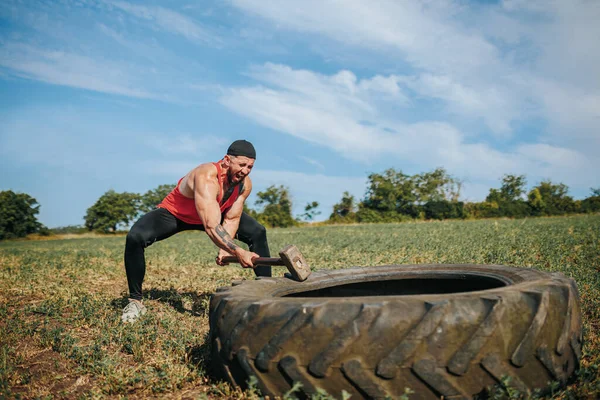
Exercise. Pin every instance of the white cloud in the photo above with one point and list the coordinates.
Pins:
(319, 109)
(502, 63)
(448, 67)
(68, 69)
(491, 103)
(336, 111)
(575, 110)
(451, 62)
(552, 155)
(528, 5)
(558, 164)
(168, 20)
(313, 162)
(280, 112)
(420, 31)
(313, 107)
(341, 89)
(147, 47)
(517, 64)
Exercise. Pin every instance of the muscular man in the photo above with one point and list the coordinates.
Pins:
(209, 198)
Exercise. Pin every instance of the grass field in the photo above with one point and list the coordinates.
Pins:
(61, 300)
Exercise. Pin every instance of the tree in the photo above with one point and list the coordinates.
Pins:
(392, 192)
(536, 202)
(592, 203)
(277, 207)
(437, 185)
(553, 197)
(395, 195)
(494, 196)
(509, 198)
(151, 198)
(345, 210)
(18, 215)
(512, 189)
(111, 210)
(310, 211)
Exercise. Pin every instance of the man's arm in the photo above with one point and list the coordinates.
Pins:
(231, 220)
(206, 189)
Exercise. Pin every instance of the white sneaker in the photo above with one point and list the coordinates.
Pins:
(134, 310)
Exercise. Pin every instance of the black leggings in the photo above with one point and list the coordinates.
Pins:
(160, 224)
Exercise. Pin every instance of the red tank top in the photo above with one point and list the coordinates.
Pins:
(184, 208)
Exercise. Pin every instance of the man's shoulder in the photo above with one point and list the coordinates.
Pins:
(204, 172)
(207, 170)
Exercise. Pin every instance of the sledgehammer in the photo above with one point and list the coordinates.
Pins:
(290, 257)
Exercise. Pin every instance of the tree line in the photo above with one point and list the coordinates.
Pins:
(391, 196)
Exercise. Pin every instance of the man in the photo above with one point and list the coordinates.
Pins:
(209, 198)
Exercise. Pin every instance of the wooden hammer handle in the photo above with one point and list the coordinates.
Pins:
(256, 261)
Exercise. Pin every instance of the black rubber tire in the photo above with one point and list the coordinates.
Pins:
(440, 330)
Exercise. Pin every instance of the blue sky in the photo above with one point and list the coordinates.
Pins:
(123, 95)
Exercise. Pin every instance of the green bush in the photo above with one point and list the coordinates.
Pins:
(444, 209)
(590, 205)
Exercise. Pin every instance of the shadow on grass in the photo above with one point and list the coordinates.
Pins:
(201, 357)
(175, 299)
(200, 354)
(200, 301)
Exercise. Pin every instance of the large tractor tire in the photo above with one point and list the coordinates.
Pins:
(440, 330)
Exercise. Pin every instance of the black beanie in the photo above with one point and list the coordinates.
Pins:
(242, 148)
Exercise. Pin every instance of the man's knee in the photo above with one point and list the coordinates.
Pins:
(135, 238)
(259, 233)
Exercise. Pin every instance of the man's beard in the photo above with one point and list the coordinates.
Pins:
(230, 178)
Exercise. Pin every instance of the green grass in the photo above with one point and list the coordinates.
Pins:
(61, 300)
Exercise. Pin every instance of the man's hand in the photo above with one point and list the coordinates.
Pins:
(244, 257)
(219, 260)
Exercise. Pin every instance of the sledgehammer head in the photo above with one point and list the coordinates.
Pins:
(295, 263)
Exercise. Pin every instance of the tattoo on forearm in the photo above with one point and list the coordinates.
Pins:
(226, 237)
